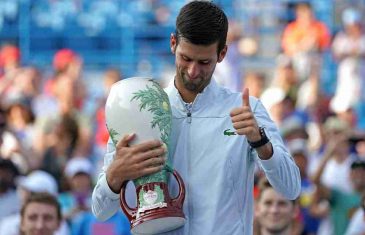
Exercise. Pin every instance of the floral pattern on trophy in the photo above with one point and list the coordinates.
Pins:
(155, 100)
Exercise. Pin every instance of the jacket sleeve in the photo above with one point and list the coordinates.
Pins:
(105, 203)
(281, 170)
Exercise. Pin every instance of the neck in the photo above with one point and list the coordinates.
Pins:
(186, 95)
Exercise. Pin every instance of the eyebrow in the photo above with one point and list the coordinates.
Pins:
(200, 60)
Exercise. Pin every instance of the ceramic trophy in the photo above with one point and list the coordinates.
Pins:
(139, 105)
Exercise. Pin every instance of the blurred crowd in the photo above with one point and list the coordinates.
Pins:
(52, 141)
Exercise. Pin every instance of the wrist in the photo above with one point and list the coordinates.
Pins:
(114, 184)
(259, 141)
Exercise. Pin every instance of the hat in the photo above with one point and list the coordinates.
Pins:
(298, 146)
(358, 164)
(78, 165)
(293, 124)
(39, 181)
(351, 16)
(63, 58)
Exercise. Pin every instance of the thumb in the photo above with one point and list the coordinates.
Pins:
(124, 142)
(245, 97)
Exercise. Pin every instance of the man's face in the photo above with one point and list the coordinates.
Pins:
(39, 219)
(195, 64)
(274, 212)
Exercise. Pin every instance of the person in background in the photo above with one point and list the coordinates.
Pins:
(35, 182)
(304, 38)
(78, 173)
(274, 214)
(40, 214)
(348, 48)
(299, 150)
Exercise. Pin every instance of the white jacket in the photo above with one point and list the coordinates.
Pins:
(218, 169)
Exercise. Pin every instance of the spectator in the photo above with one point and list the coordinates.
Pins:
(349, 49)
(274, 214)
(304, 38)
(40, 214)
(78, 173)
(299, 150)
(35, 182)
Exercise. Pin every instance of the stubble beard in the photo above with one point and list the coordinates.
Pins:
(195, 86)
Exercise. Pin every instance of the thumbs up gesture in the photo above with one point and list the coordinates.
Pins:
(244, 121)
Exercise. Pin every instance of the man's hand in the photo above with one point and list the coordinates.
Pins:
(245, 124)
(131, 162)
(244, 121)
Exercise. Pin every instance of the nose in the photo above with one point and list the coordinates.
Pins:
(274, 208)
(39, 223)
(193, 70)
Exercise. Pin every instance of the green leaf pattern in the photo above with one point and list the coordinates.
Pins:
(156, 101)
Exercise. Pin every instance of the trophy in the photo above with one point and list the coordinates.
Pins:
(139, 105)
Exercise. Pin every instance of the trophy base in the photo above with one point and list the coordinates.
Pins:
(157, 226)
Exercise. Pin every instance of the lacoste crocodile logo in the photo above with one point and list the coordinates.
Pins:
(228, 132)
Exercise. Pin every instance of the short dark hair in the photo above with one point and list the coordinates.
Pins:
(44, 198)
(202, 23)
(264, 184)
(358, 164)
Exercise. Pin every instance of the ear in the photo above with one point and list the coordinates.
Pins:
(222, 54)
(173, 42)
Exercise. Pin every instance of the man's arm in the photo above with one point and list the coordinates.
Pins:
(278, 165)
(280, 169)
(105, 202)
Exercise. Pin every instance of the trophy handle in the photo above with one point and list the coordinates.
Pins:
(129, 212)
(179, 200)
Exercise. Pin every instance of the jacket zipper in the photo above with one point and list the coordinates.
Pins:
(189, 108)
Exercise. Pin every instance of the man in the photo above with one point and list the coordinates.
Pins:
(215, 140)
(40, 214)
(35, 182)
(304, 38)
(275, 214)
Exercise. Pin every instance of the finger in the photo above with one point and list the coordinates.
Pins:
(244, 131)
(145, 146)
(151, 170)
(242, 117)
(243, 124)
(151, 154)
(124, 142)
(246, 97)
(152, 162)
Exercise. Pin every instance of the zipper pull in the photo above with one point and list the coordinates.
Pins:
(189, 117)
